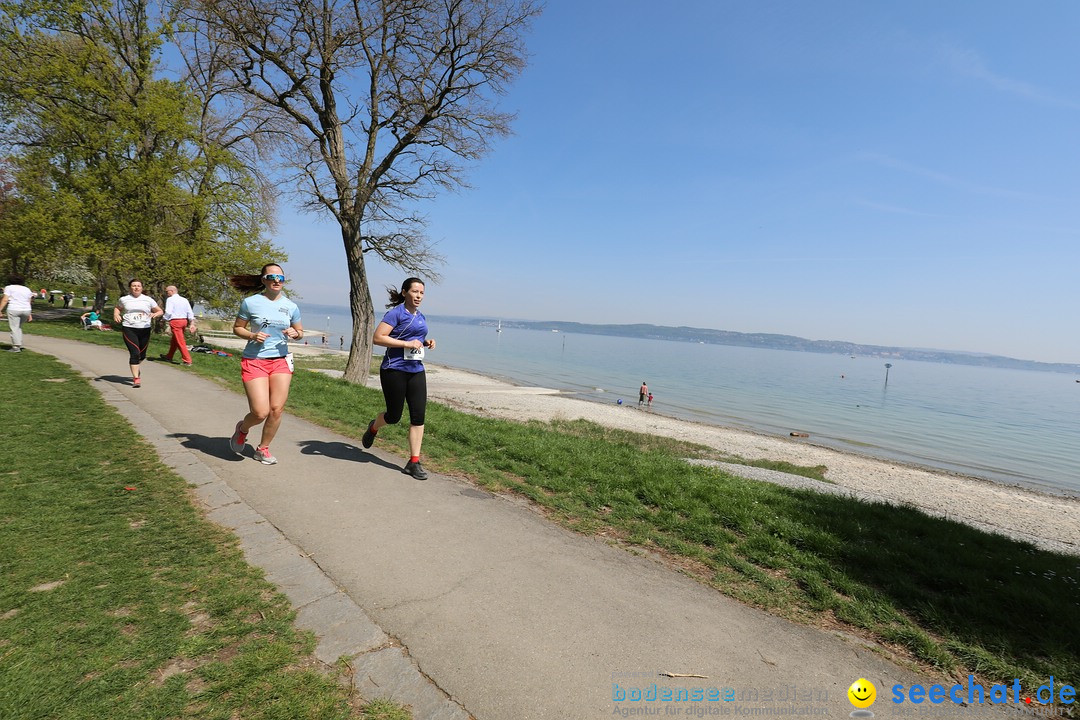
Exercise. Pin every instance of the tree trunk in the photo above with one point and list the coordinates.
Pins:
(101, 283)
(99, 296)
(358, 368)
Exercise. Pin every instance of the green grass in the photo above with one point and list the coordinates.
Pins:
(947, 596)
(210, 323)
(118, 600)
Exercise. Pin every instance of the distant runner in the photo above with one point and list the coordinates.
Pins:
(135, 312)
(18, 299)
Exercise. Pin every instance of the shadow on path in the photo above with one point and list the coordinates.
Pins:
(214, 446)
(342, 451)
(114, 379)
(42, 311)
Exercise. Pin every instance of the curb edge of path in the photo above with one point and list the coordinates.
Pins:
(381, 667)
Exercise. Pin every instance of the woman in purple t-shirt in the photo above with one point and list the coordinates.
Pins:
(403, 332)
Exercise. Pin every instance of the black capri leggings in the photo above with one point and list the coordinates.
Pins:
(398, 387)
(137, 340)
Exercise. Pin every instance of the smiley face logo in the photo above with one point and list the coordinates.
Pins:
(862, 693)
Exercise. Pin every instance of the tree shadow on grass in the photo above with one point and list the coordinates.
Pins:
(342, 451)
(1003, 599)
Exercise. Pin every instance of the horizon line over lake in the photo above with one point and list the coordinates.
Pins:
(712, 336)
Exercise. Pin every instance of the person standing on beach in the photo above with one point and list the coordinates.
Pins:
(18, 299)
(643, 392)
(180, 318)
(267, 321)
(135, 312)
(650, 401)
(403, 332)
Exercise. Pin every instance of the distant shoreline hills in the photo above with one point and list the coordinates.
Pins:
(770, 341)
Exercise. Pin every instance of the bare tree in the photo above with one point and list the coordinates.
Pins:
(235, 135)
(387, 101)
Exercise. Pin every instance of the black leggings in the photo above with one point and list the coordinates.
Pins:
(137, 340)
(398, 387)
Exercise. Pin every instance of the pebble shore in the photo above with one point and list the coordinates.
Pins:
(1051, 522)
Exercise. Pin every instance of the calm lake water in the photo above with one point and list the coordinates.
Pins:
(1011, 426)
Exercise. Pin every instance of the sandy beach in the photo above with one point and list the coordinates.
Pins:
(1049, 521)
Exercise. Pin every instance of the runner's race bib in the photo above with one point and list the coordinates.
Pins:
(414, 353)
(289, 362)
(130, 318)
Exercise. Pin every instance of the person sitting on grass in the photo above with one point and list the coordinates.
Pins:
(92, 320)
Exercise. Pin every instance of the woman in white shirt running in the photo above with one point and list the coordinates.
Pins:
(135, 312)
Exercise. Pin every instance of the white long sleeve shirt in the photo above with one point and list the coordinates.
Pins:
(177, 307)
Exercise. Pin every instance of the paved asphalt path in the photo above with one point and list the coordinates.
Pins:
(462, 603)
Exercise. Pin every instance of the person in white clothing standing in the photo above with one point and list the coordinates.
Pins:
(17, 299)
(180, 318)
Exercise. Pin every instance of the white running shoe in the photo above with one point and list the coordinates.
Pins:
(263, 455)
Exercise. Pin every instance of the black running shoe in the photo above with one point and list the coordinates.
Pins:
(415, 469)
(369, 436)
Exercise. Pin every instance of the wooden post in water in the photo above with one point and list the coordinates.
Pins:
(887, 366)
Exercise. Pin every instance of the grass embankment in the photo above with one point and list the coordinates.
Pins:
(948, 596)
(118, 600)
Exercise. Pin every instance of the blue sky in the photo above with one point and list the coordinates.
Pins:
(887, 173)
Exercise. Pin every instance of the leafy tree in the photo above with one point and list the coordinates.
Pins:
(110, 156)
(379, 103)
(12, 255)
(231, 197)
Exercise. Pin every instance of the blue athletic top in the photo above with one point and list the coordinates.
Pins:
(405, 326)
(271, 317)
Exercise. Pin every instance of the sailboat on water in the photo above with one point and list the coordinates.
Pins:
(498, 328)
